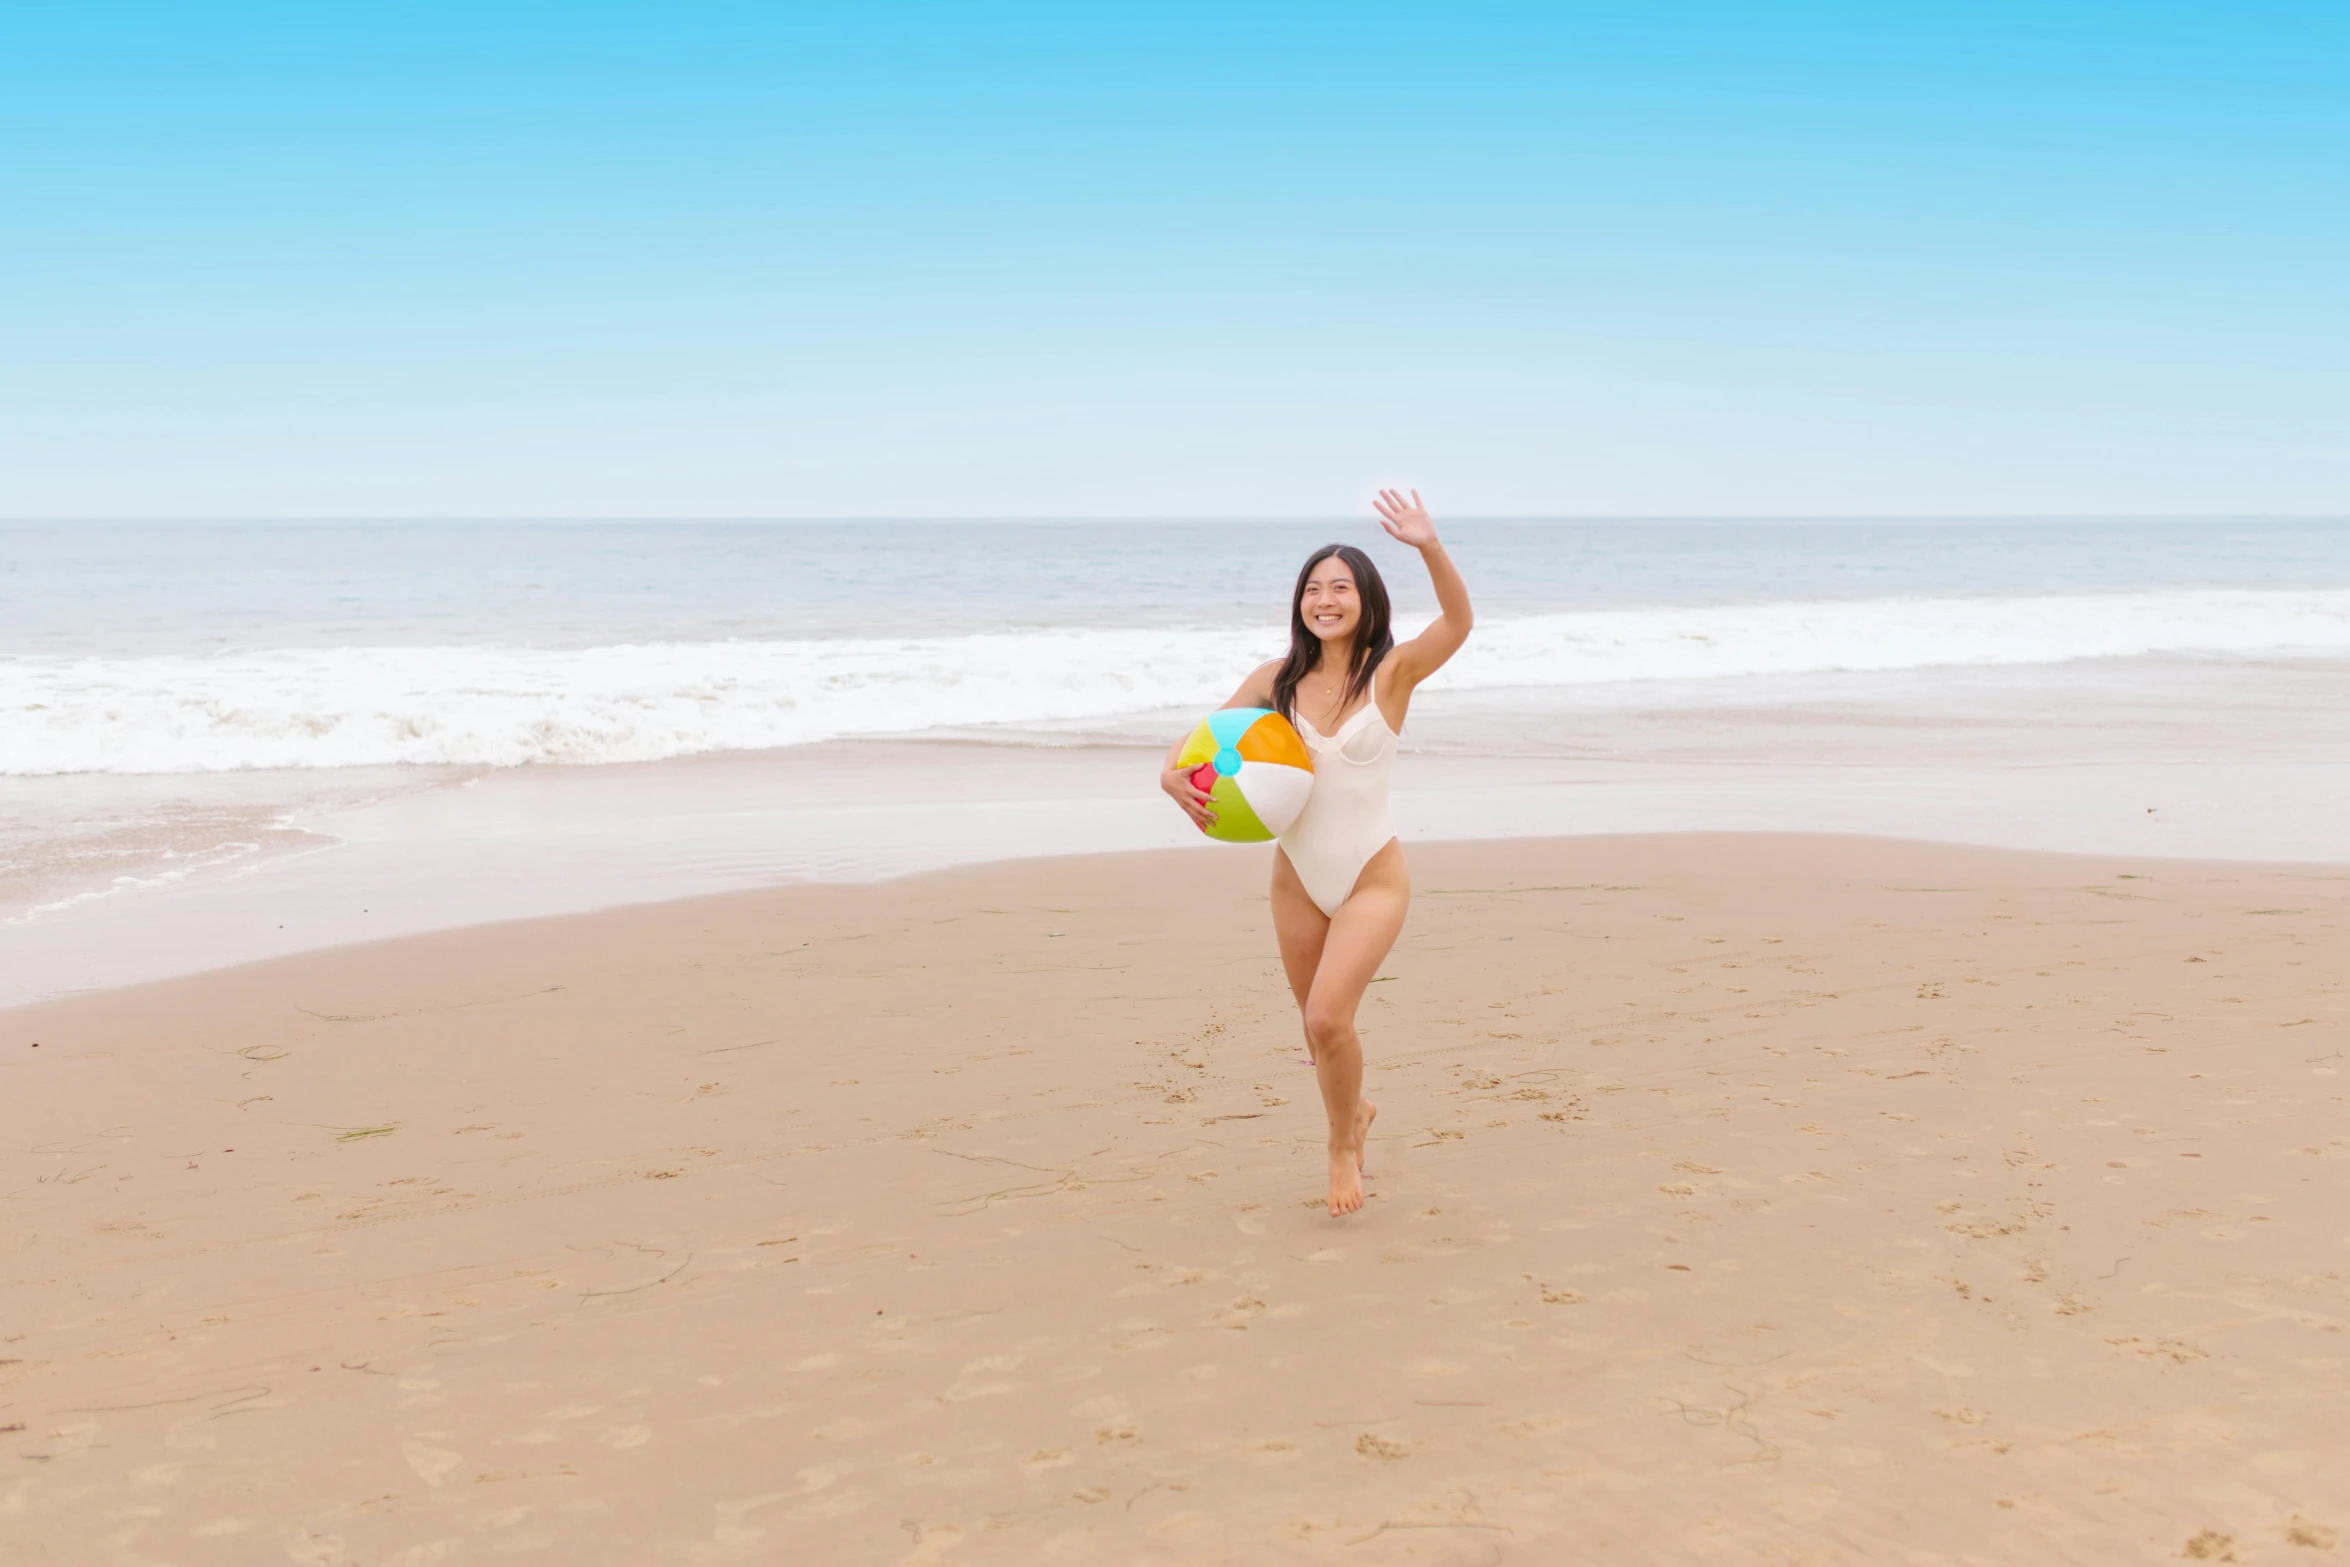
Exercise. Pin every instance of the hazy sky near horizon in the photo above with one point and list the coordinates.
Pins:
(1142, 259)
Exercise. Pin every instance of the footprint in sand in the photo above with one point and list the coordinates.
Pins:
(432, 1464)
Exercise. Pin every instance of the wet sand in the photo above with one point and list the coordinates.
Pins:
(1754, 1198)
(111, 880)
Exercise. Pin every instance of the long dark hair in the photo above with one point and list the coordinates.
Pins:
(1374, 637)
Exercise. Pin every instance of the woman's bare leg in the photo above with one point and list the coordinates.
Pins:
(1299, 926)
(1355, 941)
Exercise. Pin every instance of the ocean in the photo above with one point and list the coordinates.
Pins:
(209, 648)
(186, 704)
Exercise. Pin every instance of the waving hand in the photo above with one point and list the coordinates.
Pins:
(1406, 522)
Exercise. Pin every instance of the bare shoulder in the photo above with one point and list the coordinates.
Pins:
(1257, 689)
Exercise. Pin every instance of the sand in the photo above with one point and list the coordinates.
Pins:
(1738, 1198)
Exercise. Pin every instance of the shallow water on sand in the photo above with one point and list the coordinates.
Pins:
(194, 718)
(2206, 761)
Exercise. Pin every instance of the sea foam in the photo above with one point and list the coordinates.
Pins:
(504, 706)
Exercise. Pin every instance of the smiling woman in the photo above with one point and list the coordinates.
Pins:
(1340, 885)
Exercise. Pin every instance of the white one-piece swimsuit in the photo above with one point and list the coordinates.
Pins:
(1346, 819)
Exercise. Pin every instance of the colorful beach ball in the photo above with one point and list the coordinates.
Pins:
(1255, 770)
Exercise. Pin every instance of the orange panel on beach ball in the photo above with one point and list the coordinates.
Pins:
(1275, 742)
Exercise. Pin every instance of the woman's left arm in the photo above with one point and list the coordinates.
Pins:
(1408, 522)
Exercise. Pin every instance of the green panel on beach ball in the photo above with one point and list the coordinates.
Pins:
(1236, 821)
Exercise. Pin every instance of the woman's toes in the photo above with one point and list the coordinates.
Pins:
(1346, 1185)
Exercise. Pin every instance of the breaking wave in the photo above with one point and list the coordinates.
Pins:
(504, 706)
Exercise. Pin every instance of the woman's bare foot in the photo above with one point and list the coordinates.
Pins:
(1364, 1116)
(1346, 1181)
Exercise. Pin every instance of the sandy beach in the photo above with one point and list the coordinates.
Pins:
(1740, 1198)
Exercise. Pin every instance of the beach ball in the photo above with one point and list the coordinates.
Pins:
(1255, 770)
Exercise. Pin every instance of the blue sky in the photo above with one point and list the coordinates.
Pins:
(895, 259)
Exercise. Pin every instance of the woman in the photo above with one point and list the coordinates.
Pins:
(1340, 885)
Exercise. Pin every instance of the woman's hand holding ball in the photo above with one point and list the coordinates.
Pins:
(1177, 782)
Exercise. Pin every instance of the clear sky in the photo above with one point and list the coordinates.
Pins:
(704, 259)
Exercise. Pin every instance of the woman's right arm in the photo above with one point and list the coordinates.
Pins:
(1255, 691)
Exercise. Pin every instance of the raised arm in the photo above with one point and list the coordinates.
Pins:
(1407, 522)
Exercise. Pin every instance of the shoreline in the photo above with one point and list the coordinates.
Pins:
(975, 1217)
(506, 847)
(922, 879)
(2189, 759)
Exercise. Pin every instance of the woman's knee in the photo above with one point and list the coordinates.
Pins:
(1328, 1025)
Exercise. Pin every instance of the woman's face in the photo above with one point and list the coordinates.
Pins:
(1331, 606)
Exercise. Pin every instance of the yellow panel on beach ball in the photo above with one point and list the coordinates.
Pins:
(1255, 770)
